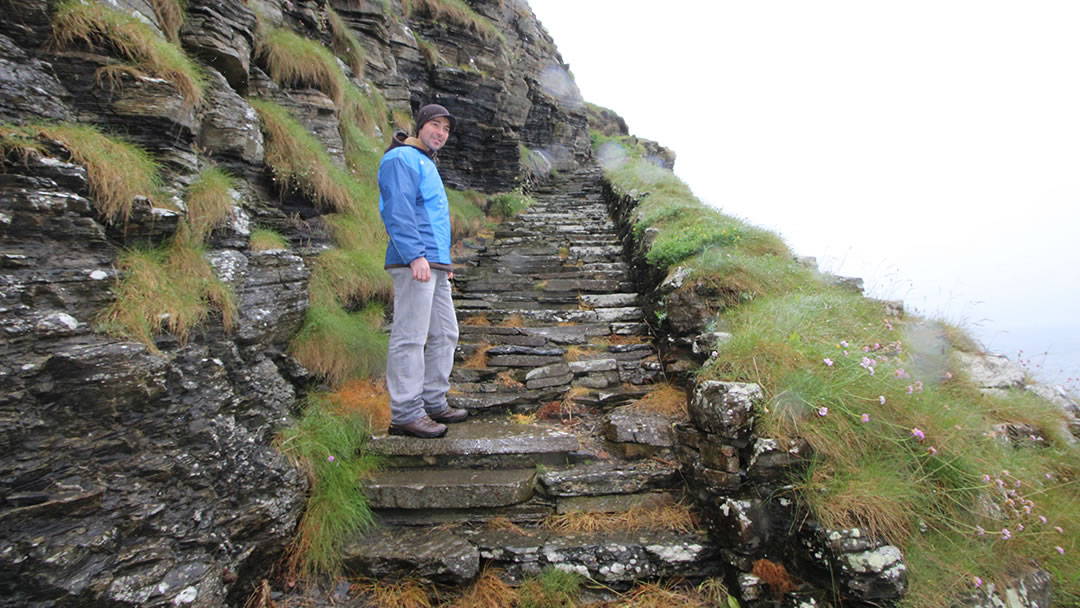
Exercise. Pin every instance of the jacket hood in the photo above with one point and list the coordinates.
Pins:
(403, 139)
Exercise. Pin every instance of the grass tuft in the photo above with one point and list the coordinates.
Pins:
(553, 588)
(328, 443)
(453, 11)
(117, 171)
(665, 399)
(170, 14)
(345, 43)
(299, 160)
(466, 213)
(339, 345)
(209, 201)
(487, 591)
(675, 517)
(95, 25)
(297, 62)
(170, 288)
(264, 239)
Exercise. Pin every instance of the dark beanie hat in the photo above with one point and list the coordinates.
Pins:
(430, 111)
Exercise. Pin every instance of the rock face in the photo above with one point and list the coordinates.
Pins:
(139, 476)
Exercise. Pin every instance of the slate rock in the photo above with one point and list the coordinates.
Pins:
(400, 553)
(725, 408)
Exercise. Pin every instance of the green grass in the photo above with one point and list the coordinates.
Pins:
(428, 50)
(170, 288)
(295, 61)
(95, 25)
(209, 201)
(339, 345)
(264, 239)
(328, 444)
(299, 160)
(553, 588)
(453, 11)
(346, 45)
(466, 212)
(910, 451)
(117, 170)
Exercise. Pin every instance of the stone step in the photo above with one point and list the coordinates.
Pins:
(449, 488)
(455, 556)
(619, 314)
(496, 443)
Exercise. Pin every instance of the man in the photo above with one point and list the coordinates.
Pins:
(416, 213)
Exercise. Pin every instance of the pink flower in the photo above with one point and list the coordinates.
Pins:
(979, 530)
(978, 582)
(986, 478)
(1019, 527)
(932, 450)
(828, 361)
(918, 434)
(1058, 528)
(844, 343)
(1042, 518)
(918, 385)
(865, 418)
(329, 459)
(1005, 534)
(823, 411)
(910, 389)
(1060, 550)
(881, 399)
(948, 375)
(1027, 509)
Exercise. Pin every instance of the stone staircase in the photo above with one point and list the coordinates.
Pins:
(553, 348)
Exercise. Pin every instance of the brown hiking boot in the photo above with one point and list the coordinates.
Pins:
(421, 427)
(450, 415)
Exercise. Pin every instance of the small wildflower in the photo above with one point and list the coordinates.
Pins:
(1005, 473)
(1027, 509)
(979, 531)
(715, 354)
(1005, 534)
(865, 418)
(881, 399)
(1020, 527)
(948, 375)
(1060, 550)
(844, 343)
(828, 362)
(1018, 483)
(918, 434)
(1058, 528)
(823, 411)
(1049, 476)
(1000, 484)
(986, 478)
(932, 450)
(910, 389)
(329, 459)
(978, 582)
(1042, 518)
(918, 385)
(900, 373)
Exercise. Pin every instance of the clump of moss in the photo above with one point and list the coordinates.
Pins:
(96, 25)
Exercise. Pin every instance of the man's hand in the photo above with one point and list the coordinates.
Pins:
(420, 270)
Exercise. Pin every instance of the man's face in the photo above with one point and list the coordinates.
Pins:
(435, 132)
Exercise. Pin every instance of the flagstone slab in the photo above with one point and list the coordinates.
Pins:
(447, 489)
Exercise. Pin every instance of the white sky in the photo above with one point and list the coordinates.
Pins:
(930, 147)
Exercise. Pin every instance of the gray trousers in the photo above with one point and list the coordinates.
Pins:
(422, 342)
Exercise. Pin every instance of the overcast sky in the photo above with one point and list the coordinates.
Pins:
(929, 147)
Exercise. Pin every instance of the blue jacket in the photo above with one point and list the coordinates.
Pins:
(414, 208)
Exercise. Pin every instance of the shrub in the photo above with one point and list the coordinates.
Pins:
(95, 24)
(508, 204)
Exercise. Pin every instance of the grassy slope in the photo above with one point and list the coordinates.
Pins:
(905, 446)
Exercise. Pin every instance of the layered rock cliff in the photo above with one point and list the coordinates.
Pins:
(137, 474)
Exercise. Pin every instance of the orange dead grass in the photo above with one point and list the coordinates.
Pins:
(674, 516)
(666, 399)
(404, 594)
(476, 321)
(775, 576)
(489, 591)
(514, 320)
(477, 360)
(367, 396)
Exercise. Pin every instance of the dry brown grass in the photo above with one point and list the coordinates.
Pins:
(665, 399)
(506, 380)
(477, 360)
(170, 15)
(403, 594)
(503, 523)
(672, 594)
(775, 576)
(489, 591)
(514, 320)
(368, 396)
(476, 321)
(209, 203)
(297, 62)
(576, 352)
(675, 517)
